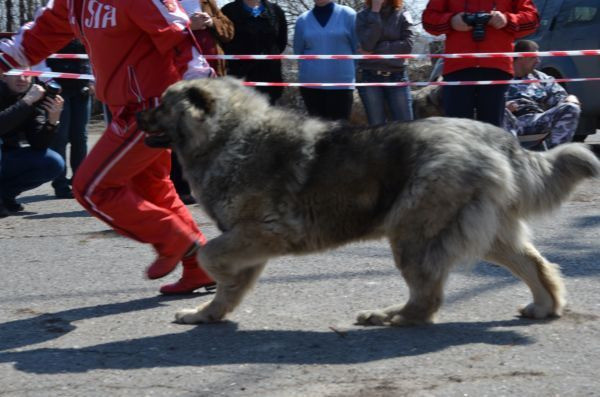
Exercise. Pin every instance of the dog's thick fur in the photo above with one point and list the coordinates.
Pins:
(442, 191)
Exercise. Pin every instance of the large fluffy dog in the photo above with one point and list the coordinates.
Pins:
(442, 191)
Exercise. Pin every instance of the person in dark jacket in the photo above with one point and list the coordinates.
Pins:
(260, 28)
(384, 27)
(75, 115)
(27, 115)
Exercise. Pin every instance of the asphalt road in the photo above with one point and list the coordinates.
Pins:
(79, 319)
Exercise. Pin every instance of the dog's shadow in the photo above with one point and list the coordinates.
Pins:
(223, 343)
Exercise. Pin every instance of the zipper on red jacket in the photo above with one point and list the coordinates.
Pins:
(76, 8)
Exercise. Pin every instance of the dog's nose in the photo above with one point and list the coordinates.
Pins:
(140, 119)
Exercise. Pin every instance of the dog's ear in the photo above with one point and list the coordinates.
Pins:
(201, 99)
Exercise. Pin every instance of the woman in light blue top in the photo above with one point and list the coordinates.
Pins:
(328, 28)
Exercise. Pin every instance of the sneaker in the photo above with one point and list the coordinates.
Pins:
(12, 205)
(63, 193)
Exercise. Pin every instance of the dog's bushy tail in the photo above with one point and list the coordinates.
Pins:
(549, 177)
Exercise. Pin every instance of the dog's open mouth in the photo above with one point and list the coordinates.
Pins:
(157, 140)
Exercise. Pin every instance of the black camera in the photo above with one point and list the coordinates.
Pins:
(477, 20)
(52, 88)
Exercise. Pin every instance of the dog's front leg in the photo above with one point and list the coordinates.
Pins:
(230, 291)
(234, 260)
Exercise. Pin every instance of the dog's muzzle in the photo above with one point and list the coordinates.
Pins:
(153, 139)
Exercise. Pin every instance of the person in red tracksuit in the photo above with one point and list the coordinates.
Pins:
(137, 48)
(467, 32)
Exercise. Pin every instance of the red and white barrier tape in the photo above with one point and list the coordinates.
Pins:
(49, 75)
(385, 56)
(420, 83)
(54, 75)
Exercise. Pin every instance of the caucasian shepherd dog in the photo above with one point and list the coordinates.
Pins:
(443, 191)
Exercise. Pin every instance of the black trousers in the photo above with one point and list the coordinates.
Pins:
(480, 102)
(328, 104)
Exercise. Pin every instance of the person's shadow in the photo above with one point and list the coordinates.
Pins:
(223, 343)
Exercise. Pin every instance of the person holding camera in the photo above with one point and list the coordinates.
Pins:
(473, 26)
(75, 116)
(28, 122)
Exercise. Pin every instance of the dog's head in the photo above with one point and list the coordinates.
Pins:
(184, 108)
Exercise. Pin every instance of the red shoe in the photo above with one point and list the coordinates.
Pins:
(164, 265)
(193, 277)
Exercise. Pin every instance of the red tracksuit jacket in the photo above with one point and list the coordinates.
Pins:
(522, 19)
(137, 48)
(121, 38)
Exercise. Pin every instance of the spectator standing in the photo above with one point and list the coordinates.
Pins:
(75, 115)
(534, 108)
(27, 115)
(329, 28)
(211, 29)
(473, 26)
(384, 27)
(137, 49)
(260, 29)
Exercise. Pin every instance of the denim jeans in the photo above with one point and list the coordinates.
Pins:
(72, 129)
(26, 168)
(375, 99)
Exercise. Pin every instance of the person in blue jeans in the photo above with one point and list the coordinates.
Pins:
(384, 27)
(75, 115)
(28, 121)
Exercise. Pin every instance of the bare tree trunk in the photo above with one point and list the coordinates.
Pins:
(14, 13)
(3, 16)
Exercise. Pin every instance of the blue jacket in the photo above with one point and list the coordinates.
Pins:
(337, 37)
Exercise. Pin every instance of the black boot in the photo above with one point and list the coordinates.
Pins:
(11, 204)
(3, 211)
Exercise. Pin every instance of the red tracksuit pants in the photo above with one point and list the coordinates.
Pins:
(126, 184)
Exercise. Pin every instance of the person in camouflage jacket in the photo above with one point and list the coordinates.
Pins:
(534, 108)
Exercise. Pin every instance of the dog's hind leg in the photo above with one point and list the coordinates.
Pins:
(542, 277)
(426, 286)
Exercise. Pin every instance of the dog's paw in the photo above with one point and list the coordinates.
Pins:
(372, 317)
(538, 311)
(187, 316)
(202, 314)
(399, 320)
